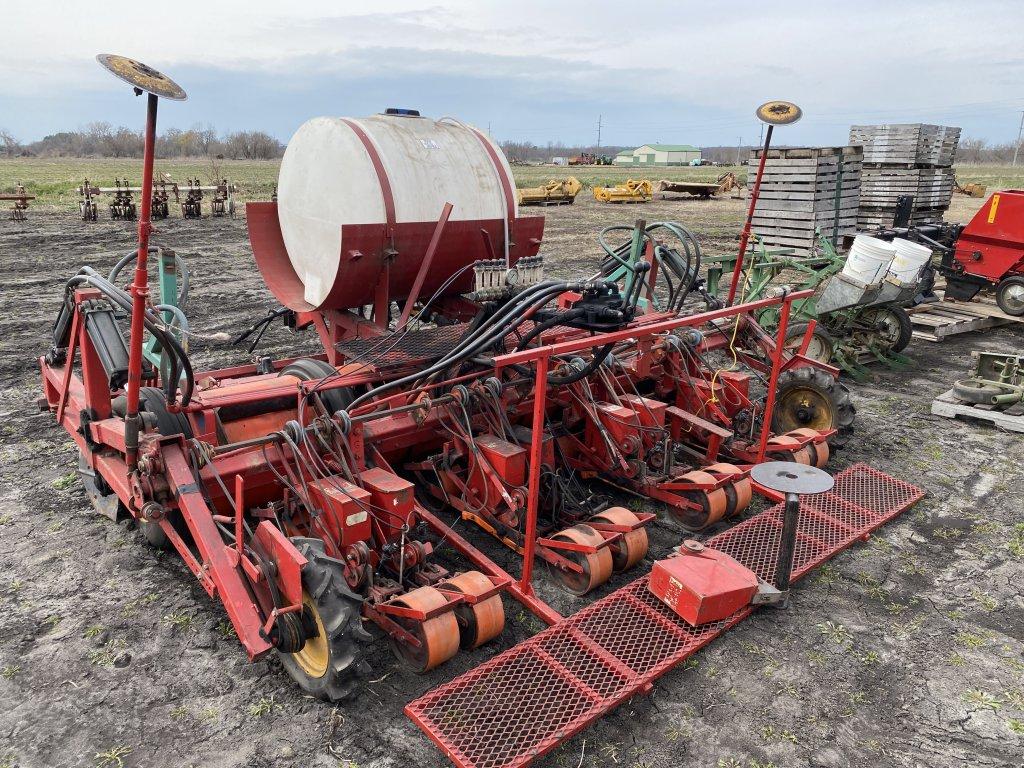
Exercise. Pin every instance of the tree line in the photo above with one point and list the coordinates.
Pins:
(969, 151)
(104, 140)
(528, 152)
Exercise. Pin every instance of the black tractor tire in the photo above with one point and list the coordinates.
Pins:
(311, 369)
(1008, 295)
(832, 406)
(338, 615)
(821, 346)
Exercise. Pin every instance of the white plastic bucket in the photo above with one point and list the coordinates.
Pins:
(869, 259)
(910, 257)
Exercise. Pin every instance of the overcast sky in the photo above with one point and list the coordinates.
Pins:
(656, 71)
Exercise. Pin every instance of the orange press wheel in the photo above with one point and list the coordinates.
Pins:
(439, 636)
(597, 566)
(631, 548)
(713, 503)
(483, 621)
(738, 493)
(819, 452)
(787, 448)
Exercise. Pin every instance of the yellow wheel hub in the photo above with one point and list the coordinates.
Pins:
(806, 408)
(314, 658)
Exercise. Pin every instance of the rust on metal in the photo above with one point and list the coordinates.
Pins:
(526, 701)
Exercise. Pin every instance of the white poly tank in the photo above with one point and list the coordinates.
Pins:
(869, 259)
(342, 171)
(910, 257)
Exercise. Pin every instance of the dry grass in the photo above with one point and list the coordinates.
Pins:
(54, 180)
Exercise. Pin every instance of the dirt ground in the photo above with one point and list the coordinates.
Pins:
(906, 651)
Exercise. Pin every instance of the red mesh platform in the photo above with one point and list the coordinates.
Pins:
(526, 701)
(398, 349)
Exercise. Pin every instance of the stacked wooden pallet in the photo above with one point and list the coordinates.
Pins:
(914, 143)
(806, 189)
(912, 159)
(937, 320)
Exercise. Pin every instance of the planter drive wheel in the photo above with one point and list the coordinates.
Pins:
(329, 665)
(810, 397)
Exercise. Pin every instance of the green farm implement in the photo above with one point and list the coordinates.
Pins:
(850, 322)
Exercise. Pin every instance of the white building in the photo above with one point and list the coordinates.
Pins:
(658, 154)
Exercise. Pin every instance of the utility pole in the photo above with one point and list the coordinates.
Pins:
(1020, 133)
(760, 141)
(489, 128)
(599, 134)
(738, 147)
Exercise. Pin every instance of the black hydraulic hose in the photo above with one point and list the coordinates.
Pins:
(516, 306)
(514, 321)
(670, 258)
(551, 322)
(259, 328)
(499, 324)
(481, 338)
(585, 371)
(179, 359)
(122, 300)
(179, 264)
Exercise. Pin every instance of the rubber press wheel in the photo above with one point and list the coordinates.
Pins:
(737, 493)
(438, 637)
(817, 453)
(597, 566)
(787, 448)
(329, 664)
(1010, 296)
(977, 391)
(713, 504)
(483, 621)
(631, 548)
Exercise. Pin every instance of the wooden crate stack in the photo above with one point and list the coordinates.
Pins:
(906, 159)
(799, 195)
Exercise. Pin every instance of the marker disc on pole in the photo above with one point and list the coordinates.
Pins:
(779, 112)
(140, 76)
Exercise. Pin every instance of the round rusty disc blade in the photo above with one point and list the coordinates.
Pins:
(779, 112)
(137, 74)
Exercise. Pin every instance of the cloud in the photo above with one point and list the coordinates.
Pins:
(655, 70)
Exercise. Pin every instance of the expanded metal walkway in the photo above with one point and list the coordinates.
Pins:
(526, 701)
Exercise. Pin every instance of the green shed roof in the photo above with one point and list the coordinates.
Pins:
(625, 152)
(673, 147)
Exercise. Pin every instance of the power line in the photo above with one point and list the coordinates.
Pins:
(1020, 132)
